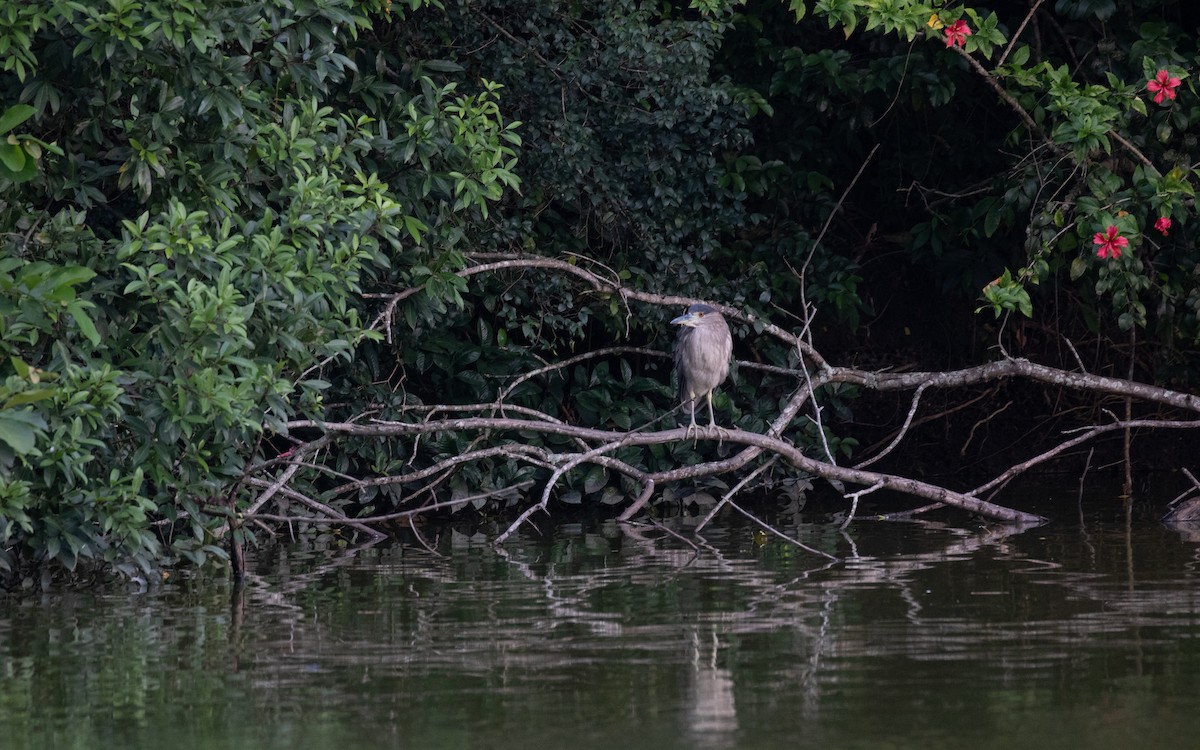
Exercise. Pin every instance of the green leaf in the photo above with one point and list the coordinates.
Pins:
(72, 275)
(1149, 68)
(20, 429)
(23, 369)
(14, 116)
(595, 480)
(991, 222)
(12, 157)
(1024, 304)
(415, 228)
(84, 322)
(443, 66)
(1079, 266)
(29, 397)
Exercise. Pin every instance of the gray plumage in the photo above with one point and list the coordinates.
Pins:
(701, 357)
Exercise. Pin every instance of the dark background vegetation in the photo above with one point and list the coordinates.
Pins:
(207, 206)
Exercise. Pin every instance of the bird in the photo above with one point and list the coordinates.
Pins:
(701, 357)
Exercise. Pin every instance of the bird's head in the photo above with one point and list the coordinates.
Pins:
(696, 315)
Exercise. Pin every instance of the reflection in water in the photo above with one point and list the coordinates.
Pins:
(713, 720)
(931, 636)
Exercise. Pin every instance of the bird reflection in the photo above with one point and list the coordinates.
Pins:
(713, 713)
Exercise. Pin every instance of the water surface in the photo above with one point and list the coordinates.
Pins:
(934, 636)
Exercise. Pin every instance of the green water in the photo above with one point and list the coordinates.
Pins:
(1064, 636)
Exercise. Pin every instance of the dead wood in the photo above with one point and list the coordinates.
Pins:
(504, 430)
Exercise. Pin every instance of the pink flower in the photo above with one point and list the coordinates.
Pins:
(1163, 85)
(957, 33)
(1163, 224)
(1110, 243)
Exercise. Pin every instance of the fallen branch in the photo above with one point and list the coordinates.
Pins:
(500, 430)
(613, 440)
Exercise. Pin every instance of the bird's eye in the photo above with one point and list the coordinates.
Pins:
(699, 315)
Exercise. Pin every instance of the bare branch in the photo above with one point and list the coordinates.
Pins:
(1091, 432)
(332, 516)
(519, 260)
(785, 450)
(854, 498)
(781, 535)
(541, 505)
(1017, 34)
(500, 427)
(576, 360)
(912, 410)
(1009, 368)
(733, 491)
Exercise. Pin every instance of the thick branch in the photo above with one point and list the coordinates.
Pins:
(1008, 368)
(594, 445)
(502, 261)
(788, 452)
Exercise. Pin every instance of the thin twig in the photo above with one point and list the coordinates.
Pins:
(825, 228)
(639, 502)
(975, 427)
(1017, 34)
(398, 515)
(855, 496)
(554, 477)
(1189, 475)
(900, 433)
(733, 491)
(1089, 434)
(333, 516)
(1008, 99)
(575, 360)
(674, 534)
(904, 515)
(781, 535)
(421, 539)
(1127, 442)
(1087, 465)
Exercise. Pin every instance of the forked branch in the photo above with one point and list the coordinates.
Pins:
(503, 430)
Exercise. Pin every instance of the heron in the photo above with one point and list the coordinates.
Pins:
(701, 357)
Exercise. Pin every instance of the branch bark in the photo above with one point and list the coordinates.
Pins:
(612, 440)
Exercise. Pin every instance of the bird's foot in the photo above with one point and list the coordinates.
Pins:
(722, 433)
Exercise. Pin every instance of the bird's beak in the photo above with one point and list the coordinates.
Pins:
(687, 319)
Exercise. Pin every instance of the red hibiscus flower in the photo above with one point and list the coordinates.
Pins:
(957, 33)
(1109, 243)
(1163, 224)
(1163, 85)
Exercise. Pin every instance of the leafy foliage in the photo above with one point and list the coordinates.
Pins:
(172, 286)
(207, 208)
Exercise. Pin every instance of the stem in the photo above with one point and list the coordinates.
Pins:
(1025, 22)
(1128, 443)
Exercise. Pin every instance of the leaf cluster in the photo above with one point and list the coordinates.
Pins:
(184, 277)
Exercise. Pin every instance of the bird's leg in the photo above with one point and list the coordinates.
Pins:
(722, 433)
(692, 427)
